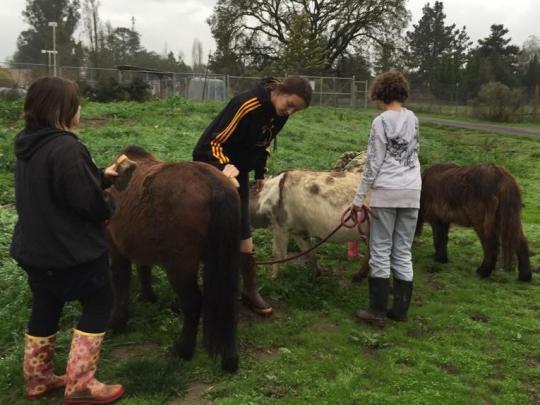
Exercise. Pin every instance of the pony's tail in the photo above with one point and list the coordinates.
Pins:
(220, 274)
(509, 219)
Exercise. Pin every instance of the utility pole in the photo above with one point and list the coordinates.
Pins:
(54, 24)
(48, 60)
(49, 52)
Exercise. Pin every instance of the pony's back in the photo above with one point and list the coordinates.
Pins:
(178, 215)
(485, 197)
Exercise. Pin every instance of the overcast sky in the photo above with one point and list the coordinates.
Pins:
(174, 24)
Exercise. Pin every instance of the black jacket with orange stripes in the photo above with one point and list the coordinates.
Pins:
(242, 132)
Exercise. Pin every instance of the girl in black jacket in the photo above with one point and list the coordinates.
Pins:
(60, 243)
(237, 142)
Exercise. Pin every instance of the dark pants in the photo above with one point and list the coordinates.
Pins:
(245, 224)
(88, 283)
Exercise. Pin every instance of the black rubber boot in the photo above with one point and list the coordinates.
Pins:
(402, 300)
(378, 302)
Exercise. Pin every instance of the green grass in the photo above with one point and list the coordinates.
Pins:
(525, 117)
(526, 125)
(468, 341)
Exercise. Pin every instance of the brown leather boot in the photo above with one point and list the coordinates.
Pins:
(81, 386)
(38, 366)
(378, 302)
(250, 293)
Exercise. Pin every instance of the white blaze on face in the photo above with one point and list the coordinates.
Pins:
(269, 196)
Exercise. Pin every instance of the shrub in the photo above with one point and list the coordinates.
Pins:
(5, 79)
(10, 112)
(11, 93)
(496, 102)
(87, 89)
(138, 89)
(109, 89)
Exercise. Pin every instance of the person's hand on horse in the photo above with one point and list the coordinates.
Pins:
(110, 172)
(230, 170)
(259, 184)
(356, 208)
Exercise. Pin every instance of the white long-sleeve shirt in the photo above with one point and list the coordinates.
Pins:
(392, 171)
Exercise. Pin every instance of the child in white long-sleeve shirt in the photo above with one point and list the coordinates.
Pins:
(392, 173)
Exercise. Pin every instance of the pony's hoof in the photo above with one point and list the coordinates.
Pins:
(182, 352)
(358, 277)
(319, 271)
(175, 307)
(148, 297)
(230, 364)
(118, 323)
(441, 259)
(483, 272)
(527, 277)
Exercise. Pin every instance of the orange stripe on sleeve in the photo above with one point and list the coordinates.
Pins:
(248, 106)
(217, 150)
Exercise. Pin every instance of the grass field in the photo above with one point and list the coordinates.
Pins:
(526, 117)
(468, 341)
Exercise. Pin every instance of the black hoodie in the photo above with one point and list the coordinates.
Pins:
(60, 201)
(242, 132)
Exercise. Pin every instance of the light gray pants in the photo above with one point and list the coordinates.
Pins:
(390, 240)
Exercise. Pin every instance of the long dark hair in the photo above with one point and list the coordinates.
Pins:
(291, 85)
(51, 102)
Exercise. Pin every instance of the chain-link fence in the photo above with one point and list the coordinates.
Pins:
(327, 91)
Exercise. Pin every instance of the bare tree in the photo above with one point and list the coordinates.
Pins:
(93, 29)
(197, 55)
(338, 24)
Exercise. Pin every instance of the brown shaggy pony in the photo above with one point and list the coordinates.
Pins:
(177, 215)
(484, 197)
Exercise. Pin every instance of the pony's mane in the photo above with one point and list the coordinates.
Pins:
(136, 152)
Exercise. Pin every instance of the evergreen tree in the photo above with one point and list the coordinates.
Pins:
(493, 60)
(436, 53)
(38, 14)
(303, 53)
(124, 44)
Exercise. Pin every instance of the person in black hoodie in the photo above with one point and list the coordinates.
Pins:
(60, 243)
(237, 142)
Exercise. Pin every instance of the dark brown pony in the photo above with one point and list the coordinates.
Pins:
(177, 215)
(484, 197)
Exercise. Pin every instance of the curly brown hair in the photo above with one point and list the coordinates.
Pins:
(389, 86)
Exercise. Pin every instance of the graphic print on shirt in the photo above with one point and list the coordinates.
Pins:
(267, 134)
(400, 148)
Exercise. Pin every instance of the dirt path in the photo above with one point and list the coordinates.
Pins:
(494, 128)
